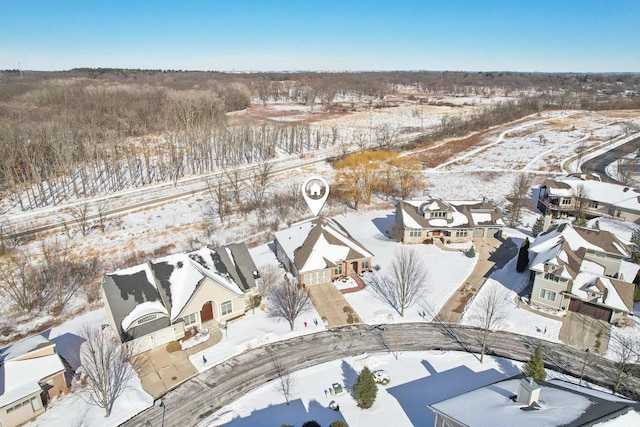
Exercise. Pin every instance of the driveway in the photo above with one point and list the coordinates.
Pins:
(493, 254)
(168, 366)
(584, 332)
(332, 307)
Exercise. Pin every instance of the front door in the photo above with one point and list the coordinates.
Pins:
(207, 311)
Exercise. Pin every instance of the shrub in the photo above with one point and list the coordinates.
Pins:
(365, 390)
(471, 252)
(338, 423)
(311, 423)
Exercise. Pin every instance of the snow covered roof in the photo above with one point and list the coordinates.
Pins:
(164, 286)
(319, 243)
(20, 374)
(562, 250)
(557, 405)
(417, 213)
(611, 194)
(615, 294)
(578, 237)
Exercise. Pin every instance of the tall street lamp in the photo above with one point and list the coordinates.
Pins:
(164, 408)
(584, 363)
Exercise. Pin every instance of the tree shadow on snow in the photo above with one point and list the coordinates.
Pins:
(293, 414)
(415, 396)
(349, 376)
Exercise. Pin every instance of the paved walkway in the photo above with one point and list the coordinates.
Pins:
(492, 254)
(166, 367)
(331, 305)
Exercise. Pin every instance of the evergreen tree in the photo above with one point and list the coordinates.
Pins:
(311, 423)
(534, 368)
(635, 246)
(365, 390)
(537, 226)
(523, 256)
(339, 423)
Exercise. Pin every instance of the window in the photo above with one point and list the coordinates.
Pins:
(593, 204)
(438, 214)
(365, 264)
(552, 277)
(338, 270)
(461, 233)
(188, 320)
(566, 202)
(547, 294)
(147, 318)
(226, 307)
(415, 233)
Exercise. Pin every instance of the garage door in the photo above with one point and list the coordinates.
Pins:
(590, 310)
(478, 232)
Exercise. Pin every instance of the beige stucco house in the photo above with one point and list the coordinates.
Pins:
(320, 250)
(582, 270)
(424, 219)
(31, 374)
(563, 195)
(160, 301)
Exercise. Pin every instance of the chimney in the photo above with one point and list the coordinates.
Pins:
(546, 223)
(528, 391)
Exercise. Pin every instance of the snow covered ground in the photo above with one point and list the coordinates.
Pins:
(418, 379)
(489, 171)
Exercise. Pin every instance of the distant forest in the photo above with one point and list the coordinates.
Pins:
(83, 132)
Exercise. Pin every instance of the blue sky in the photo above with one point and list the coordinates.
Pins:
(473, 35)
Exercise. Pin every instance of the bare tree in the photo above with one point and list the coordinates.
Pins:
(625, 349)
(107, 366)
(489, 316)
(287, 301)
(270, 275)
(406, 282)
(219, 200)
(259, 183)
(628, 171)
(518, 198)
(18, 281)
(581, 202)
(285, 379)
(80, 215)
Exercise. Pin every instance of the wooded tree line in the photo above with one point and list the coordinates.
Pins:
(66, 135)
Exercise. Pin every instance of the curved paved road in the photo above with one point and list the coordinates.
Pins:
(599, 164)
(201, 396)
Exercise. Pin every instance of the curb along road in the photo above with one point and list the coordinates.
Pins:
(200, 397)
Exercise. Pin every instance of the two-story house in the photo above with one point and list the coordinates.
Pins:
(31, 374)
(424, 219)
(567, 195)
(581, 270)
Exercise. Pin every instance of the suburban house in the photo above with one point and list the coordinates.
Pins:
(519, 401)
(582, 270)
(424, 219)
(160, 301)
(320, 250)
(31, 374)
(566, 195)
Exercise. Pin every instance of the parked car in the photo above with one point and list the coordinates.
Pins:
(381, 376)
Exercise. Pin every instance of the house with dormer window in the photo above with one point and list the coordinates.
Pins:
(319, 250)
(424, 219)
(582, 270)
(160, 301)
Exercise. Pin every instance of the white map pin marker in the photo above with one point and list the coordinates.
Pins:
(315, 191)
